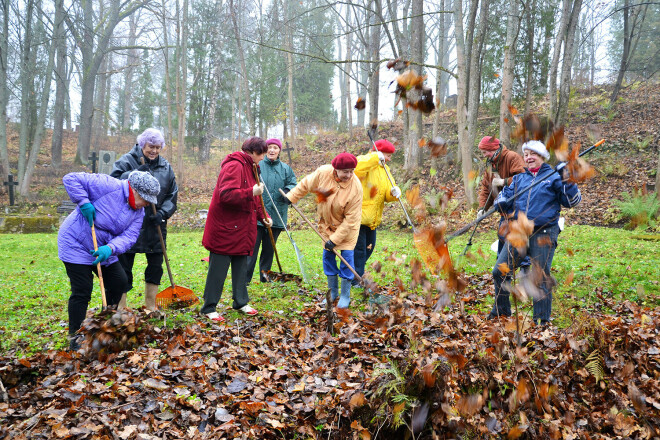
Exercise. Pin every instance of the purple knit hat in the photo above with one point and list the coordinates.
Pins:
(274, 141)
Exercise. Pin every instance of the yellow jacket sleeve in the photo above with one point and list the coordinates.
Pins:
(308, 183)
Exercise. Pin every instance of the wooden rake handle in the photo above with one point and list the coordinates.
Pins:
(263, 206)
(355, 274)
(104, 301)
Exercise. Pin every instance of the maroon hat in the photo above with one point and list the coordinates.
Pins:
(489, 143)
(344, 161)
(384, 146)
(275, 142)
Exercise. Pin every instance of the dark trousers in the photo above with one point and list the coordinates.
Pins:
(215, 280)
(541, 250)
(81, 277)
(152, 274)
(364, 248)
(267, 251)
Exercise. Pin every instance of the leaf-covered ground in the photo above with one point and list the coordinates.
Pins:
(385, 374)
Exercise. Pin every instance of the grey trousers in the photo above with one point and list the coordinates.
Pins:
(215, 280)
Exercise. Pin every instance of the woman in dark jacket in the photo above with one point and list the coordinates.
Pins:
(542, 205)
(149, 146)
(275, 174)
(231, 227)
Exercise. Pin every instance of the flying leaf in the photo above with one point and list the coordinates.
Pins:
(422, 142)
(410, 79)
(569, 278)
(438, 147)
(360, 104)
(519, 232)
(503, 268)
(323, 194)
(470, 404)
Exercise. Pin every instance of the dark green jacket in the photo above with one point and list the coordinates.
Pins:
(276, 174)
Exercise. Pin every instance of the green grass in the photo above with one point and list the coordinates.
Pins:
(35, 289)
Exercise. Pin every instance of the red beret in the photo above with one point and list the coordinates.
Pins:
(489, 143)
(385, 146)
(344, 161)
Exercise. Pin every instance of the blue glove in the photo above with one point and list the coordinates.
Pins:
(102, 254)
(88, 211)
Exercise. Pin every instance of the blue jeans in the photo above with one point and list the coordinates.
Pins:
(541, 250)
(330, 264)
(364, 248)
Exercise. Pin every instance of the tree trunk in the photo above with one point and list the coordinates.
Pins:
(209, 121)
(244, 72)
(413, 152)
(289, 68)
(60, 87)
(99, 104)
(182, 85)
(27, 88)
(131, 65)
(512, 29)
(4, 92)
(631, 25)
(554, 66)
(566, 65)
(529, 86)
(374, 55)
(343, 99)
(168, 87)
(24, 185)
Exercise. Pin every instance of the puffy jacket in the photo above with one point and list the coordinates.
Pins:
(116, 223)
(231, 223)
(507, 164)
(276, 174)
(376, 188)
(542, 203)
(160, 168)
(339, 215)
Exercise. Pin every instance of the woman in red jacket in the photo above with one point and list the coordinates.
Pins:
(231, 227)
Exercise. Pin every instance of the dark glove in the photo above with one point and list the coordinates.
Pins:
(562, 169)
(329, 245)
(286, 190)
(144, 168)
(102, 254)
(156, 218)
(286, 200)
(88, 211)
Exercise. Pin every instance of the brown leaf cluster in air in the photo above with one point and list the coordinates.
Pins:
(579, 169)
(425, 103)
(322, 194)
(519, 231)
(360, 104)
(397, 64)
(438, 146)
(530, 127)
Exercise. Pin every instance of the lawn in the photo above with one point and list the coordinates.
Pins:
(35, 288)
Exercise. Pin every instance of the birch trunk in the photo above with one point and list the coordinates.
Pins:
(567, 64)
(4, 92)
(374, 55)
(413, 152)
(557, 49)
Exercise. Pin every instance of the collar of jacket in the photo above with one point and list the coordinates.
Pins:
(270, 162)
(136, 152)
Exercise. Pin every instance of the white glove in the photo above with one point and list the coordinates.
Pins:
(258, 189)
(268, 222)
(481, 212)
(497, 183)
(395, 191)
(381, 156)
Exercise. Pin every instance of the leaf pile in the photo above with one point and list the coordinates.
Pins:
(401, 368)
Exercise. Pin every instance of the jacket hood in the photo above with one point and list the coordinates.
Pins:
(239, 156)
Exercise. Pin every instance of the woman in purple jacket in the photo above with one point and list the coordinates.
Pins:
(115, 207)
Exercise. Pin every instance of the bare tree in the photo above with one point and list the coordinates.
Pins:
(244, 72)
(289, 67)
(633, 19)
(93, 37)
(4, 92)
(28, 67)
(132, 62)
(512, 29)
(181, 82)
(468, 51)
(559, 116)
(529, 86)
(168, 91)
(413, 156)
(60, 86)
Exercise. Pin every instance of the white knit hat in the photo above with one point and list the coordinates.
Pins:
(537, 147)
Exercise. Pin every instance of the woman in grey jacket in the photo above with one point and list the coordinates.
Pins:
(275, 174)
(149, 145)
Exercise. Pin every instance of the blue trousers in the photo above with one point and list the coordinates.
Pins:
(330, 264)
(364, 248)
(541, 250)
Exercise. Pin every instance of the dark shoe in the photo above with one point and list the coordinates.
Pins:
(492, 316)
(74, 342)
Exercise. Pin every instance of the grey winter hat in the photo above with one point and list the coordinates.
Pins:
(146, 185)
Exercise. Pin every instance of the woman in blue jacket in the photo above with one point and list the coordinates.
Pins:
(275, 174)
(542, 205)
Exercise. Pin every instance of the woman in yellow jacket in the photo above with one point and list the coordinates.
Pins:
(376, 190)
(338, 213)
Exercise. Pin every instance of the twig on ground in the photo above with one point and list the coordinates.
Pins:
(5, 397)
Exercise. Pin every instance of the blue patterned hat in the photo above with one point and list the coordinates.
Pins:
(146, 185)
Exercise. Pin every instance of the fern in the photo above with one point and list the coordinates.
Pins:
(595, 365)
(640, 209)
